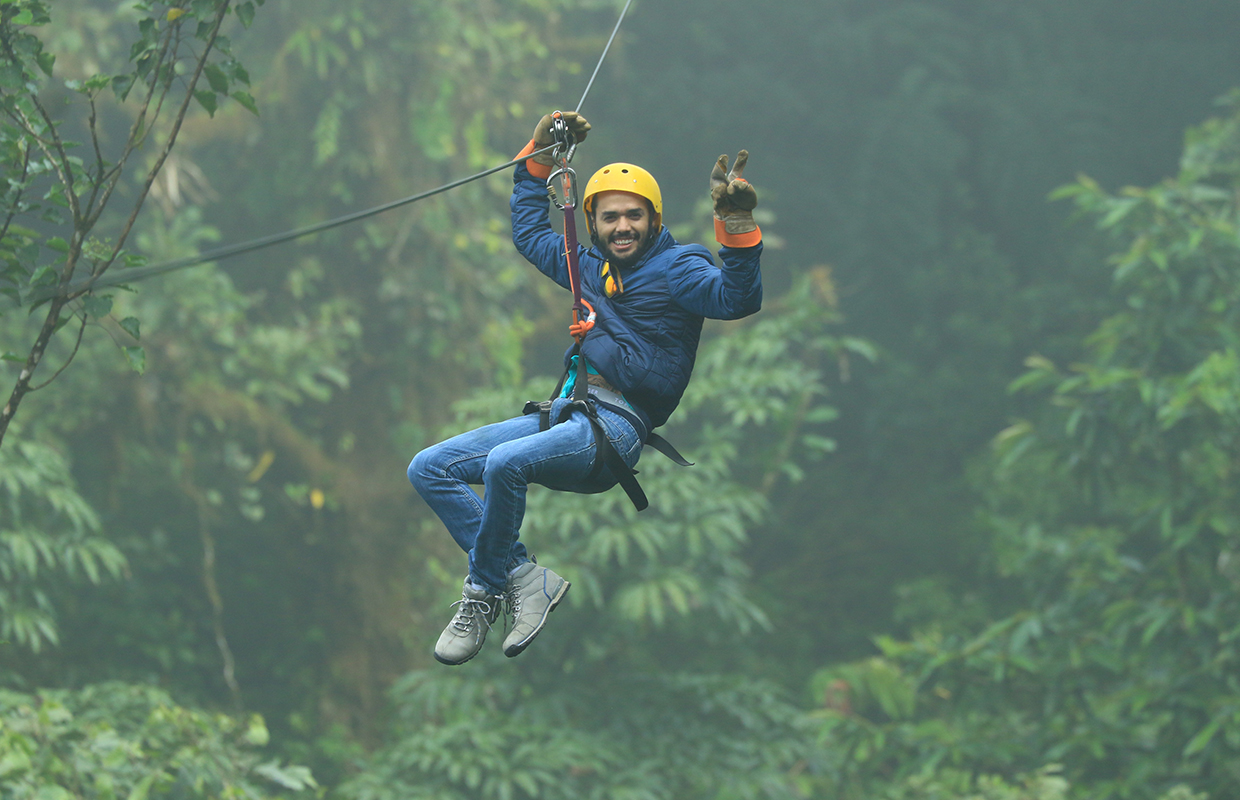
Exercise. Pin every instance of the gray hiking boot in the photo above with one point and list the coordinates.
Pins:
(533, 593)
(463, 638)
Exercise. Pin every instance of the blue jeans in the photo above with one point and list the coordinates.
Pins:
(505, 458)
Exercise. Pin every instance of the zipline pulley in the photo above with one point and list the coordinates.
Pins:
(562, 183)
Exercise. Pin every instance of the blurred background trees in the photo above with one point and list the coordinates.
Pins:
(887, 576)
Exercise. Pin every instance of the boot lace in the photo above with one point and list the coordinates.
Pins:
(512, 603)
(468, 609)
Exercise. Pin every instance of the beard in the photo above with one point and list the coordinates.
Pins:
(631, 259)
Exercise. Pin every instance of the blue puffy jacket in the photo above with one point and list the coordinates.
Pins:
(645, 339)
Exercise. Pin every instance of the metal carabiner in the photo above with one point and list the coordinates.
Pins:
(566, 195)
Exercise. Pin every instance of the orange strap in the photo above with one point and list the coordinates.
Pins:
(537, 170)
(581, 327)
(736, 239)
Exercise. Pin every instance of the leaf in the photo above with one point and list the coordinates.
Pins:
(9, 355)
(256, 732)
(821, 444)
(245, 13)
(23, 17)
(46, 62)
(121, 85)
(207, 100)
(58, 244)
(14, 761)
(290, 777)
(247, 100)
(143, 788)
(99, 307)
(11, 77)
(136, 357)
(1203, 737)
(130, 325)
(175, 13)
(216, 78)
(44, 275)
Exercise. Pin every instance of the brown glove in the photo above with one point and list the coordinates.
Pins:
(734, 201)
(541, 164)
(577, 125)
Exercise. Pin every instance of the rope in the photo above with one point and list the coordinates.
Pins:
(141, 273)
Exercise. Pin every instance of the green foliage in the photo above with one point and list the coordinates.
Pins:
(58, 192)
(1115, 520)
(915, 145)
(113, 740)
(648, 737)
(49, 535)
(225, 371)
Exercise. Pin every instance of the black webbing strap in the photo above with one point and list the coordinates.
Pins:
(665, 447)
(607, 455)
(581, 386)
(623, 473)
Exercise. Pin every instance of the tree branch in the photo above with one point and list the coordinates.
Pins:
(81, 224)
(97, 182)
(68, 361)
(208, 579)
(8, 220)
(221, 13)
(139, 130)
(63, 163)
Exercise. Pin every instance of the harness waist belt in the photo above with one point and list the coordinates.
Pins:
(608, 396)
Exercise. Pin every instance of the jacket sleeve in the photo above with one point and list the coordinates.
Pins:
(531, 227)
(735, 291)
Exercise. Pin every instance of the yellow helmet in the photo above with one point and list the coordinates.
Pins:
(621, 177)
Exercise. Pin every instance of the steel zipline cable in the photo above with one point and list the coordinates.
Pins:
(606, 47)
(139, 273)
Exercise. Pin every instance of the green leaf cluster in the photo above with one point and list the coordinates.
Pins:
(114, 740)
(49, 536)
(1115, 524)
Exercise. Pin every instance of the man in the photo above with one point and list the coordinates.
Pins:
(651, 295)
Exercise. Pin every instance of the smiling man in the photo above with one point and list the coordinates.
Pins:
(650, 294)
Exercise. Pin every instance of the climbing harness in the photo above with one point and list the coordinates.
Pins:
(588, 389)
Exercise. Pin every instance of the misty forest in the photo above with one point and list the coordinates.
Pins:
(964, 517)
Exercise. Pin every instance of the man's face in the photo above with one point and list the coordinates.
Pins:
(622, 225)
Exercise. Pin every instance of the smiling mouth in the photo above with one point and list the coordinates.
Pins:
(623, 242)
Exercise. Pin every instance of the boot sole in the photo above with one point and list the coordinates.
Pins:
(452, 663)
(518, 648)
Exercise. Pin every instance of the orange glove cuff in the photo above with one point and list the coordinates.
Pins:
(726, 239)
(537, 170)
